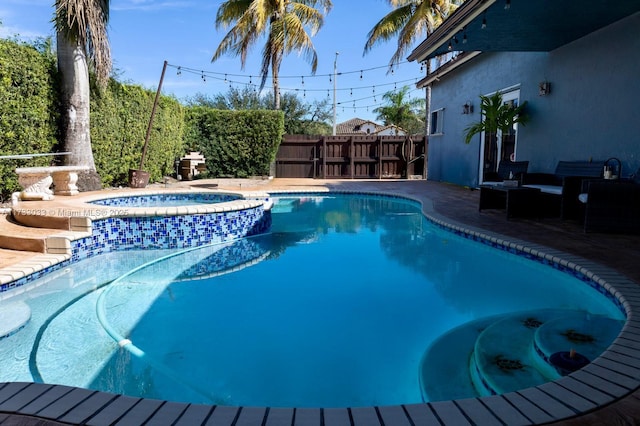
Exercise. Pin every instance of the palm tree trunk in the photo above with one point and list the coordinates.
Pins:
(75, 89)
(275, 66)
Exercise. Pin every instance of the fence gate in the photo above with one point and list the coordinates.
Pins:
(351, 156)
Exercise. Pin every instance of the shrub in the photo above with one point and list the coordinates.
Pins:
(28, 109)
(235, 143)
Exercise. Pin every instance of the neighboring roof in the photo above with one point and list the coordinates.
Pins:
(525, 26)
(353, 126)
(390, 126)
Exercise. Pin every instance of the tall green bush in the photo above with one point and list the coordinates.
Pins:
(119, 119)
(28, 109)
(235, 143)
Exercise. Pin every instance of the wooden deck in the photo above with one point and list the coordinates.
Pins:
(604, 392)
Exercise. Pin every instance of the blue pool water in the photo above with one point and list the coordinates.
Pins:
(166, 200)
(335, 307)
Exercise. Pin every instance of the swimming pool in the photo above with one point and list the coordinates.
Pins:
(336, 306)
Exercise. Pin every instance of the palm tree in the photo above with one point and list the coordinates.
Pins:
(401, 111)
(409, 21)
(284, 23)
(81, 27)
(496, 116)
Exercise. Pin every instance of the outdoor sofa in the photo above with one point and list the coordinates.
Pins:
(507, 170)
(559, 190)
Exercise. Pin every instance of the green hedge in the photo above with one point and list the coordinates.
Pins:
(235, 143)
(28, 110)
(119, 119)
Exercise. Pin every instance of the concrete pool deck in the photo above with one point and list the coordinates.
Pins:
(609, 255)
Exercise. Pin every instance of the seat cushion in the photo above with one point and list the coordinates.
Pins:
(549, 189)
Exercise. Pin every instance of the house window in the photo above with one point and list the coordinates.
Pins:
(437, 121)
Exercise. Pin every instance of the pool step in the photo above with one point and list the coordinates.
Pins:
(16, 236)
(13, 317)
(511, 352)
(503, 356)
(588, 335)
(441, 376)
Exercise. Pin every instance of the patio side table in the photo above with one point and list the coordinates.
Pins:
(517, 201)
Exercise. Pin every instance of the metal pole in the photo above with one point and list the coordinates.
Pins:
(153, 111)
(335, 86)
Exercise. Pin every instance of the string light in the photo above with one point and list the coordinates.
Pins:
(507, 4)
(233, 80)
(484, 22)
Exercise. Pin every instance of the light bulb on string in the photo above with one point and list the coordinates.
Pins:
(351, 92)
(204, 79)
(330, 78)
(179, 71)
(360, 74)
(250, 77)
(302, 77)
(484, 22)
(225, 78)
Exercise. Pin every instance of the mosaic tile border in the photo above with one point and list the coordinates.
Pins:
(156, 200)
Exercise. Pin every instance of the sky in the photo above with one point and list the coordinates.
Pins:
(145, 33)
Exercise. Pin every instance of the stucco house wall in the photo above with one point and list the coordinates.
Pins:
(592, 111)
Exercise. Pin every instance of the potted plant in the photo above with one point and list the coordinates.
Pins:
(496, 115)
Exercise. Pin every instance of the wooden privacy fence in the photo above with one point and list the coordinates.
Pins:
(351, 156)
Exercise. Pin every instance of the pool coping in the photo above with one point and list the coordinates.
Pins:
(615, 374)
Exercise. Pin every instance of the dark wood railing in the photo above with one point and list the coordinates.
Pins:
(351, 156)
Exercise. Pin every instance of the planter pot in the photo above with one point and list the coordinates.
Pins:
(138, 178)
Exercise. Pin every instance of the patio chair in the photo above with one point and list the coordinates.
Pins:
(507, 170)
(612, 206)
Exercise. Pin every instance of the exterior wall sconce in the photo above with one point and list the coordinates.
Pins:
(467, 108)
(544, 88)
